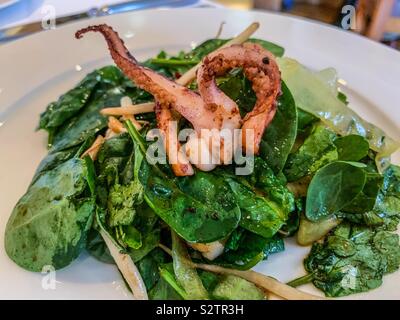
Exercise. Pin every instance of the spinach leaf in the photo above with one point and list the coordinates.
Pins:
(75, 127)
(121, 203)
(352, 147)
(167, 287)
(318, 150)
(244, 249)
(391, 183)
(140, 237)
(49, 224)
(264, 180)
(385, 214)
(263, 199)
(259, 214)
(274, 245)
(163, 291)
(186, 274)
(304, 120)
(150, 241)
(366, 199)
(209, 279)
(200, 208)
(280, 135)
(82, 126)
(197, 217)
(120, 194)
(52, 160)
(69, 104)
(333, 187)
(149, 267)
(343, 98)
(352, 260)
(293, 222)
(96, 246)
(237, 87)
(212, 44)
(387, 244)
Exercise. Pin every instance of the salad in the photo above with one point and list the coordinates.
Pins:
(187, 170)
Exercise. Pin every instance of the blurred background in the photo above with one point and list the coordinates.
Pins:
(378, 20)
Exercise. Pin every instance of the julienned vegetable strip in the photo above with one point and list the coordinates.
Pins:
(242, 37)
(127, 268)
(184, 80)
(270, 284)
(265, 282)
(129, 110)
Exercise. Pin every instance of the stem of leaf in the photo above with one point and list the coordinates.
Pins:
(170, 279)
(302, 280)
(139, 141)
(174, 62)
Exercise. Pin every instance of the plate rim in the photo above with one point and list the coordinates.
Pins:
(295, 18)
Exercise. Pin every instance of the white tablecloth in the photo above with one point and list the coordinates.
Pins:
(26, 11)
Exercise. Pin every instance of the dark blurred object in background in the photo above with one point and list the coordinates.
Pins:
(376, 19)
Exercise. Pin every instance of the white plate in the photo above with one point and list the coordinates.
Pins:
(37, 69)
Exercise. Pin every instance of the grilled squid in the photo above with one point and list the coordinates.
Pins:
(260, 68)
(213, 115)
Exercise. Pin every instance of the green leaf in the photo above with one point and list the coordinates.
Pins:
(274, 245)
(146, 221)
(77, 127)
(69, 104)
(149, 268)
(317, 150)
(244, 249)
(343, 98)
(304, 120)
(186, 274)
(169, 287)
(212, 44)
(280, 135)
(352, 147)
(49, 224)
(122, 200)
(132, 237)
(265, 181)
(353, 259)
(200, 208)
(387, 244)
(332, 188)
(366, 200)
(149, 241)
(259, 214)
(96, 246)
